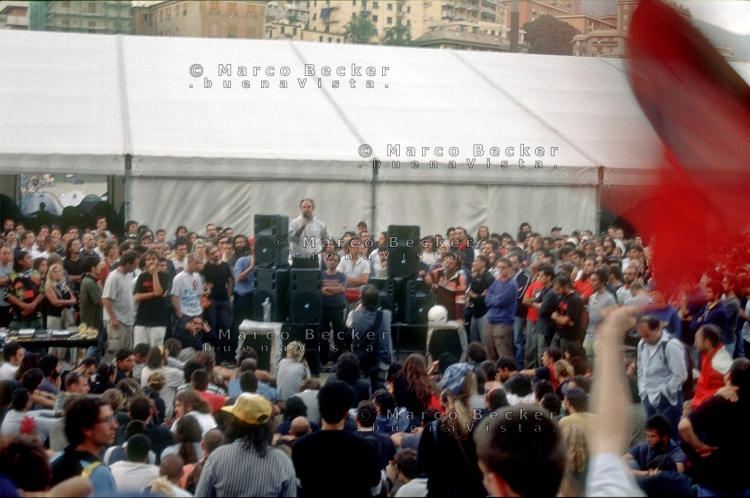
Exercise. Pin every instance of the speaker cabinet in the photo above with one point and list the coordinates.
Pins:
(403, 247)
(417, 302)
(388, 295)
(271, 244)
(272, 283)
(305, 298)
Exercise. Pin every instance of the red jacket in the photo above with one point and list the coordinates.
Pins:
(713, 367)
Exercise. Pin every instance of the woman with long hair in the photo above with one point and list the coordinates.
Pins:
(111, 255)
(483, 235)
(347, 370)
(105, 378)
(156, 362)
(60, 314)
(574, 480)
(188, 437)
(563, 373)
(412, 387)
(190, 404)
(291, 371)
(447, 453)
(30, 360)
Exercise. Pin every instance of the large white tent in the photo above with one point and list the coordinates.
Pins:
(138, 107)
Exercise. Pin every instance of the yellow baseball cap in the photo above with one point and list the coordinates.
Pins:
(251, 409)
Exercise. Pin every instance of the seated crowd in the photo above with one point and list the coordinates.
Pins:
(581, 376)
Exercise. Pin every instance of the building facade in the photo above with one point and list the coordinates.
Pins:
(14, 15)
(201, 19)
(102, 17)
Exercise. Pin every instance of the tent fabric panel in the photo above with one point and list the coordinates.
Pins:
(252, 168)
(29, 163)
(168, 203)
(172, 114)
(60, 95)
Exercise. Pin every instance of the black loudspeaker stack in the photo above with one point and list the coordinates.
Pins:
(271, 244)
(271, 283)
(403, 249)
(402, 292)
(305, 298)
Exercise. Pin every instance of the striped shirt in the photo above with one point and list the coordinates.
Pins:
(233, 470)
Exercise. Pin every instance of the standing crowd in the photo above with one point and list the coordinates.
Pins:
(581, 375)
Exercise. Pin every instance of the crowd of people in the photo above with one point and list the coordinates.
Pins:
(581, 374)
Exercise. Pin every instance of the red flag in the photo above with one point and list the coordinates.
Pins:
(700, 109)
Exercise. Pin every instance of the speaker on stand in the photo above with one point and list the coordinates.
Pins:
(271, 244)
(271, 283)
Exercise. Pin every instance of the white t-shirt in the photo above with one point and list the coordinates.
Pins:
(8, 371)
(353, 269)
(206, 421)
(118, 290)
(415, 487)
(188, 287)
(132, 476)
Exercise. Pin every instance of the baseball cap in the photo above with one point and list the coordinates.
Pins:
(454, 376)
(575, 394)
(251, 409)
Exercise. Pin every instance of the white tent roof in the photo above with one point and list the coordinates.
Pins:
(76, 103)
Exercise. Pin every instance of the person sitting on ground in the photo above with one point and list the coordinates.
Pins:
(295, 407)
(333, 447)
(291, 371)
(405, 466)
(547, 372)
(135, 473)
(212, 440)
(366, 416)
(514, 450)
(264, 389)
(188, 438)
(663, 479)
(347, 370)
(170, 472)
(199, 382)
(190, 404)
(657, 443)
(117, 453)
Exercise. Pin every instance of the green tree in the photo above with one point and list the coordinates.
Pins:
(400, 34)
(360, 30)
(547, 35)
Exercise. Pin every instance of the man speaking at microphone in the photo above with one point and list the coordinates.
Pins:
(306, 233)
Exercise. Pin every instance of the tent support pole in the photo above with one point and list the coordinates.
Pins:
(374, 195)
(599, 187)
(128, 171)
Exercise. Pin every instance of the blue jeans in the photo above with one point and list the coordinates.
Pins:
(220, 320)
(519, 340)
(671, 412)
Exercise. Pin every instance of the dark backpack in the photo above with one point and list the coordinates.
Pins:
(366, 344)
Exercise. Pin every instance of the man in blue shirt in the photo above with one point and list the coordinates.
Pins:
(501, 301)
(244, 274)
(657, 443)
